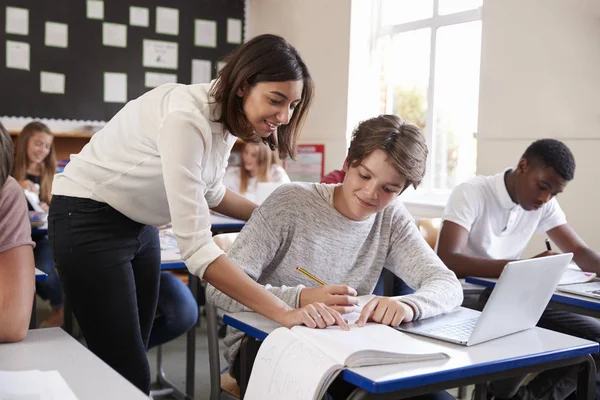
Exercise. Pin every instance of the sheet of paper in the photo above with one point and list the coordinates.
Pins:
(139, 16)
(154, 79)
(52, 82)
(17, 55)
(115, 87)
(57, 34)
(573, 276)
(205, 33)
(160, 54)
(95, 9)
(167, 20)
(114, 34)
(201, 71)
(234, 30)
(17, 21)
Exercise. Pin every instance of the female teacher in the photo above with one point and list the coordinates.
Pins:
(161, 159)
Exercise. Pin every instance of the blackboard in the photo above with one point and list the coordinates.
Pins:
(86, 58)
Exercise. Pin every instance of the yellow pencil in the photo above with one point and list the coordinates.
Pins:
(311, 276)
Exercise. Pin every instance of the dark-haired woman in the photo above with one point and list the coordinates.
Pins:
(161, 159)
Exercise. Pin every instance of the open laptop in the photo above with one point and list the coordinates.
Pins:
(591, 289)
(516, 303)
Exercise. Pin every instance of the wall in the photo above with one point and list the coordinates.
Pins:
(320, 30)
(540, 77)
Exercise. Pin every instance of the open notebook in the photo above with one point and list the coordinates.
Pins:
(301, 363)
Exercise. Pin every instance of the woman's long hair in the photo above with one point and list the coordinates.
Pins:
(264, 166)
(48, 167)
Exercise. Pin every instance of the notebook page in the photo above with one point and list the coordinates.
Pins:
(288, 367)
(572, 276)
(372, 344)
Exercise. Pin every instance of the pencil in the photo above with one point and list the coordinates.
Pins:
(548, 247)
(311, 276)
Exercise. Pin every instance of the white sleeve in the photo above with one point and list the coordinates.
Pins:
(182, 152)
(464, 206)
(278, 174)
(552, 217)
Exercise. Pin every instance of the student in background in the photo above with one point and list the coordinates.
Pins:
(34, 169)
(256, 166)
(17, 273)
(161, 159)
(489, 220)
(345, 234)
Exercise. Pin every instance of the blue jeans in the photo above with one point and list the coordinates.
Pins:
(177, 309)
(109, 266)
(400, 288)
(49, 289)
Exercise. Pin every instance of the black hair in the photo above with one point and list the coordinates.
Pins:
(554, 154)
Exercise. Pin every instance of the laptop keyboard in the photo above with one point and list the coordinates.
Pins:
(460, 331)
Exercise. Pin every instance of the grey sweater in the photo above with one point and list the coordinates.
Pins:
(298, 226)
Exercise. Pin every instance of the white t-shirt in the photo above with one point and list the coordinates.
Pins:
(160, 159)
(498, 228)
(232, 181)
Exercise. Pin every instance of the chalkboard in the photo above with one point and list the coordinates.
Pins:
(86, 59)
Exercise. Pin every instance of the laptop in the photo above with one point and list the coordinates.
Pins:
(591, 289)
(516, 303)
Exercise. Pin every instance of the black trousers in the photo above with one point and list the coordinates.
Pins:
(109, 266)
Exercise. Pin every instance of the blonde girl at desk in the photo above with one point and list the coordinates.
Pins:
(159, 160)
(257, 166)
(34, 169)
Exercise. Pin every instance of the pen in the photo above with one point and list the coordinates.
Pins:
(311, 276)
(548, 247)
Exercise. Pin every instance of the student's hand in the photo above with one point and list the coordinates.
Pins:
(546, 254)
(26, 184)
(341, 298)
(316, 315)
(386, 311)
(45, 207)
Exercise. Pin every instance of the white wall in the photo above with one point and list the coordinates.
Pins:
(540, 77)
(320, 30)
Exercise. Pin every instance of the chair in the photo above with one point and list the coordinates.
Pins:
(222, 386)
(430, 229)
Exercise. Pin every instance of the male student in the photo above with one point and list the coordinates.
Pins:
(489, 221)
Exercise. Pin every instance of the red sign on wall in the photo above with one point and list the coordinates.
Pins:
(309, 164)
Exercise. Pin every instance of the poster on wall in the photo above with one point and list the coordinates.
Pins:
(309, 164)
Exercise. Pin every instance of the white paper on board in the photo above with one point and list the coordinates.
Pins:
(17, 55)
(115, 87)
(201, 71)
(234, 30)
(205, 33)
(154, 79)
(160, 54)
(167, 20)
(95, 9)
(57, 35)
(52, 82)
(139, 16)
(114, 34)
(17, 21)
(220, 65)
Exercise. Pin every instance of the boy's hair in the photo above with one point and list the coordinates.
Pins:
(265, 58)
(265, 159)
(48, 167)
(554, 154)
(6, 155)
(403, 142)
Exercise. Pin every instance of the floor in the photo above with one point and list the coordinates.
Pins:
(174, 359)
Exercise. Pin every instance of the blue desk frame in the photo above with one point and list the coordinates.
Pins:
(478, 374)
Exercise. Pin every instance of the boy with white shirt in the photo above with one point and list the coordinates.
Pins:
(489, 221)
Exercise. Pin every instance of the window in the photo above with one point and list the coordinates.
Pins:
(427, 53)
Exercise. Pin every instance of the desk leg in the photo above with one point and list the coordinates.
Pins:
(480, 391)
(33, 311)
(586, 380)
(190, 370)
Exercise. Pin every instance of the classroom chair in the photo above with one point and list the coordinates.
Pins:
(222, 386)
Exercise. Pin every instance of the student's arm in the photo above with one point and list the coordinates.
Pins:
(235, 206)
(568, 240)
(451, 244)
(17, 283)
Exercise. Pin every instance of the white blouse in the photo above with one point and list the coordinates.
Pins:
(159, 160)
